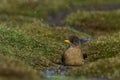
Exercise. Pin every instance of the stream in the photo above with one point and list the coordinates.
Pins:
(58, 19)
(58, 73)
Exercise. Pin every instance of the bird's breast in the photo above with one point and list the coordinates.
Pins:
(73, 56)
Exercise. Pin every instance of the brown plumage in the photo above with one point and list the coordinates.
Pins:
(73, 56)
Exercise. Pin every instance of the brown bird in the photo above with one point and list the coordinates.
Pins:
(73, 56)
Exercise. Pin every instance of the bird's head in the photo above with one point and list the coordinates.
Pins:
(73, 40)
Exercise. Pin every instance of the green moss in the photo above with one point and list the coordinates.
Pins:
(40, 8)
(103, 47)
(102, 68)
(103, 58)
(96, 22)
(14, 69)
(32, 8)
(38, 44)
(93, 2)
(70, 78)
(24, 38)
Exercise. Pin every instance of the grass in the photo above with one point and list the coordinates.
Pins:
(14, 69)
(104, 47)
(70, 78)
(103, 58)
(29, 45)
(95, 22)
(40, 9)
(33, 42)
(103, 68)
(94, 2)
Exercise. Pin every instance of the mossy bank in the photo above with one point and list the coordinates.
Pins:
(95, 22)
(29, 45)
(34, 43)
(103, 58)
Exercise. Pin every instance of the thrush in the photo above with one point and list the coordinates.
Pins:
(73, 56)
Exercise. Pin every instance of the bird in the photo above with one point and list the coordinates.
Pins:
(73, 56)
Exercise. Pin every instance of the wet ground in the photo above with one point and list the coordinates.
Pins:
(59, 73)
(58, 19)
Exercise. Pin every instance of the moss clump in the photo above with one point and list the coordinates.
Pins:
(41, 9)
(93, 2)
(12, 69)
(95, 22)
(34, 8)
(103, 58)
(102, 68)
(34, 42)
(103, 47)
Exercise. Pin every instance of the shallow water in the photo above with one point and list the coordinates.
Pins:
(58, 73)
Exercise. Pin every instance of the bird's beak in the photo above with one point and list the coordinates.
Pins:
(67, 41)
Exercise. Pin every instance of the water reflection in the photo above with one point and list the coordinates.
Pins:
(55, 71)
(58, 73)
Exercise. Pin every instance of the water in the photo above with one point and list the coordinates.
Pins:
(58, 73)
